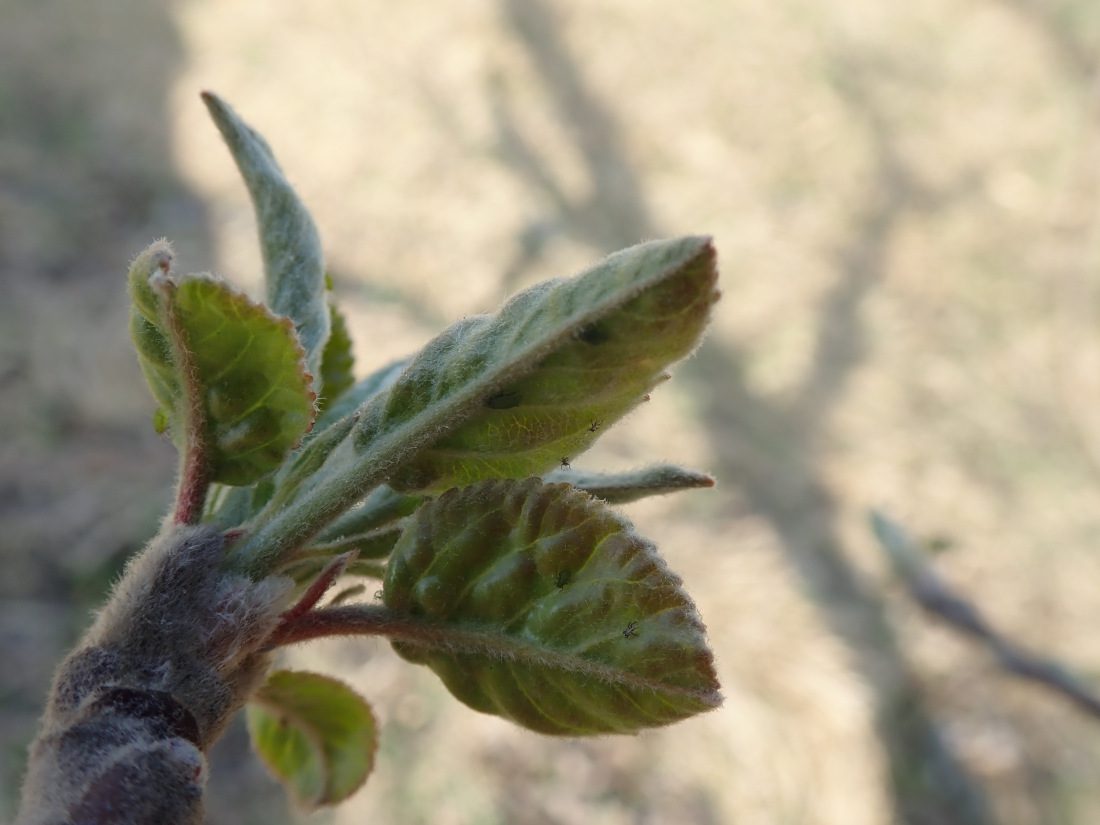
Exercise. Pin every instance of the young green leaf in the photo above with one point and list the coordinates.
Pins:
(372, 544)
(564, 619)
(332, 426)
(361, 392)
(291, 247)
(305, 570)
(623, 488)
(151, 341)
(513, 393)
(243, 397)
(382, 507)
(605, 340)
(368, 546)
(337, 361)
(316, 735)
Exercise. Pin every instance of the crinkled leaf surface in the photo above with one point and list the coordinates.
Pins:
(246, 388)
(315, 734)
(293, 264)
(583, 629)
(510, 394)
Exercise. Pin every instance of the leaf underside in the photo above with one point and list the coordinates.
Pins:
(593, 633)
(508, 395)
(623, 488)
(658, 299)
(361, 392)
(293, 263)
(315, 734)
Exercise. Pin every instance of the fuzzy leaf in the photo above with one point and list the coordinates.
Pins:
(150, 339)
(361, 392)
(337, 361)
(583, 629)
(257, 393)
(293, 263)
(366, 547)
(332, 426)
(371, 544)
(623, 488)
(246, 388)
(382, 507)
(605, 340)
(511, 394)
(315, 734)
(306, 570)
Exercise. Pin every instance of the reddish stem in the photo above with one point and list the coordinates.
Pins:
(194, 484)
(195, 469)
(375, 620)
(332, 571)
(357, 620)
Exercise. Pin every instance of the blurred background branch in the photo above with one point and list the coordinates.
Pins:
(939, 600)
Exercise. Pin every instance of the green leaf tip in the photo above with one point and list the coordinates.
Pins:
(315, 734)
(582, 628)
(557, 365)
(623, 488)
(229, 376)
(291, 247)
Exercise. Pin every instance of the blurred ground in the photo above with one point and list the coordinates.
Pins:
(906, 202)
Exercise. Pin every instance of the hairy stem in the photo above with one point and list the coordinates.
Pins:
(135, 707)
(193, 485)
(328, 576)
(195, 469)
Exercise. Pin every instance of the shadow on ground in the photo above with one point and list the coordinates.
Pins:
(86, 180)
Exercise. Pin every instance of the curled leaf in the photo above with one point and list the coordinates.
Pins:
(228, 374)
(146, 329)
(623, 488)
(578, 626)
(315, 734)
